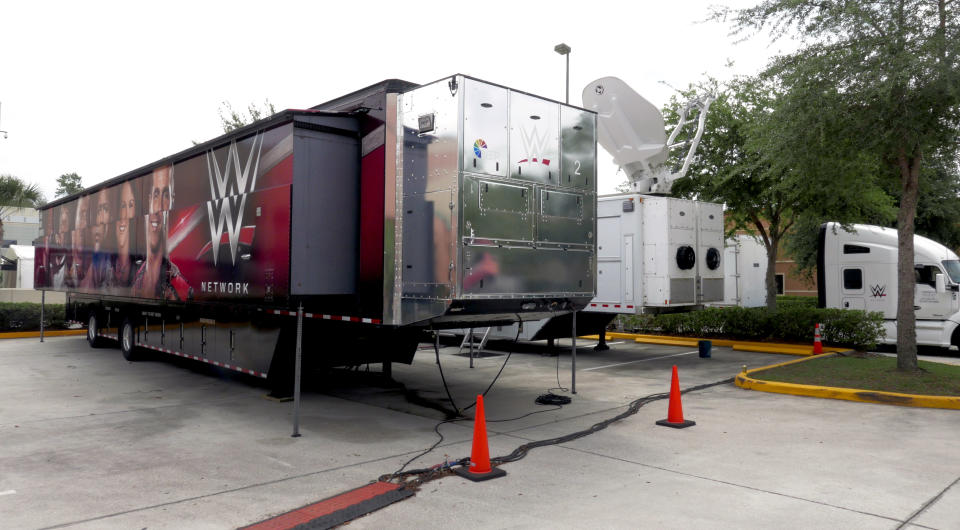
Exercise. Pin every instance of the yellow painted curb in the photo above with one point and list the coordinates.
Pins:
(762, 347)
(744, 380)
(51, 333)
(667, 341)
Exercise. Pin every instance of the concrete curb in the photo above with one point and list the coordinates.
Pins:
(33, 334)
(741, 345)
(744, 380)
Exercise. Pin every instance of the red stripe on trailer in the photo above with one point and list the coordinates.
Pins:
(629, 307)
(194, 357)
(593, 305)
(606, 305)
(618, 305)
(343, 318)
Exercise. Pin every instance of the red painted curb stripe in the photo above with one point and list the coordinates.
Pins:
(324, 507)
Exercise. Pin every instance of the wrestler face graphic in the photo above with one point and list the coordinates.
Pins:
(160, 199)
(125, 216)
(102, 218)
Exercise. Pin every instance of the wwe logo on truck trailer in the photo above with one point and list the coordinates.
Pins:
(229, 186)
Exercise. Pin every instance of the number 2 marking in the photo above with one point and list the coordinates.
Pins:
(577, 170)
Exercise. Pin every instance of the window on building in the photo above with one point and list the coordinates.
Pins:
(779, 281)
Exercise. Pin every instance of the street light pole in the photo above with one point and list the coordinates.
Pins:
(563, 49)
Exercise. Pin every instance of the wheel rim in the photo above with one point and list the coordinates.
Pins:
(92, 327)
(127, 337)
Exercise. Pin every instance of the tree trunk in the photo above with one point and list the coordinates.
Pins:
(771, 278)
(906, 276)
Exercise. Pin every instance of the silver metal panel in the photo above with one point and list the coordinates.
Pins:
(430, 159)
(534, 139)
(516, 272)
(578, 148)
(429, 245)
(683, 290)
(496, 210)
(712, 289)
(566, 217)
(486, 138)
(393, 224)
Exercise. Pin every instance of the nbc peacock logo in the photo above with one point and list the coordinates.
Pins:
(478, 147)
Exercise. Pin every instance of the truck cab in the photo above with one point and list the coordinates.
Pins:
(857, 269)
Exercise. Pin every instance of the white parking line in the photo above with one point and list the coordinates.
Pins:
(639, 361)
(8, 492)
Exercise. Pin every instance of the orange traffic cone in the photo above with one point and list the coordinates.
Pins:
(675, 412)
(479, 468)
(817, 347)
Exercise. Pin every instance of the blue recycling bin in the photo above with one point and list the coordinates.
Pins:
(705, 347)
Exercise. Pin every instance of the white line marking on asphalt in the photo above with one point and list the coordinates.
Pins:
(639, 361)
(8, 492)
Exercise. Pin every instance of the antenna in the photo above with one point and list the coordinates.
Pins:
(632, 130)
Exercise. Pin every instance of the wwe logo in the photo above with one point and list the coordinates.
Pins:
(878, 291)
(229, 186)
(534, 145)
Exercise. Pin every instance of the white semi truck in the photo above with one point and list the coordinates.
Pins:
(858, 270)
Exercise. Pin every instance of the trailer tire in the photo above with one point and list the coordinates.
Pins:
(93, 331)
(127, 345)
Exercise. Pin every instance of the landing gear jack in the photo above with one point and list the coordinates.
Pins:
(602, 345)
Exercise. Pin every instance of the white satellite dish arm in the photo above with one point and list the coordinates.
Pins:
(702, 105)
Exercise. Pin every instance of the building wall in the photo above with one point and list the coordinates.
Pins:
(21, 225)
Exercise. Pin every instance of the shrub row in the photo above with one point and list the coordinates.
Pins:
(25, 316)
(790, 323)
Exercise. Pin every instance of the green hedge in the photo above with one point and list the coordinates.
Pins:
(26, 316)
(806, 301)
(790, 323)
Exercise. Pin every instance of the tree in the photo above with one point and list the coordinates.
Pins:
(765, 190)
(890, 74)
(68, 184)
(15, 193)
(231, 120)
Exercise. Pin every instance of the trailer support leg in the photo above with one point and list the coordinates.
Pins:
(296, 377)
(470, 336)
(43, 300)
(573, 356)
(602, 345)
(388, 369)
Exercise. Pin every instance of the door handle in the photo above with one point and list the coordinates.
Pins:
(916, 308)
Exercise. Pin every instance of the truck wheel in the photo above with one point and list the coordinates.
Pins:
(93, 329)
(127, 346)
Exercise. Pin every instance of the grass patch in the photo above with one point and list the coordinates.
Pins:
(869, 372)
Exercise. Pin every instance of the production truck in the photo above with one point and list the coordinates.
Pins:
(389, 211)
(857, 269)
(654, 253)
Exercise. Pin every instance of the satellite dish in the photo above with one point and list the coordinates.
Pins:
(628, 126)
(632, 130)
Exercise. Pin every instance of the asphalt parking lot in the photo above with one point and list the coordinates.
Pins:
(88, 440)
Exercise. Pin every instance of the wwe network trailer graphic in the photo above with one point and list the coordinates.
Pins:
(213, 227)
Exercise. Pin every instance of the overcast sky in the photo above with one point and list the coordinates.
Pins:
(101, 88)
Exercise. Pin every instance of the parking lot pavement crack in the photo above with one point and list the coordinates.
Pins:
(752, 488)
(926, 505)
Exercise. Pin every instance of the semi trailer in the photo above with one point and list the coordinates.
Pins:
(392, 210)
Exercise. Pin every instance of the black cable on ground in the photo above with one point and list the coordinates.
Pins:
(459, 412)
(440, 470)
